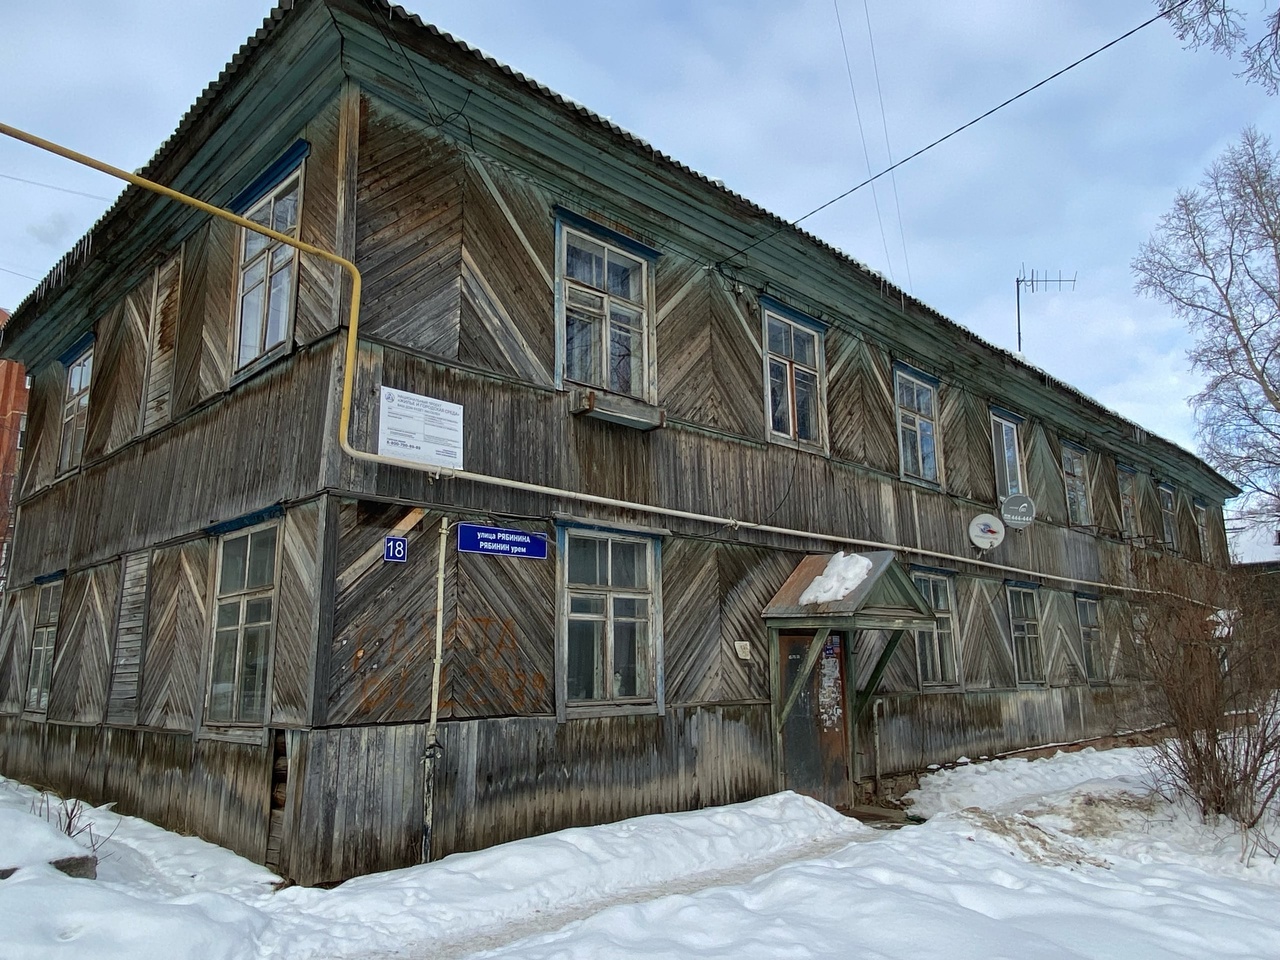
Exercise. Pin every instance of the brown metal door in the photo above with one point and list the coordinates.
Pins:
(815, 745)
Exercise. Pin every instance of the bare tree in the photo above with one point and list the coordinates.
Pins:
(1215, 259)
(1223, 27)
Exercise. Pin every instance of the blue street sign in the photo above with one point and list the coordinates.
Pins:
(501, 542)
(395, 550)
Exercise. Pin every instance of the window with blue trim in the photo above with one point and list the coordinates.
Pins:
(1075, 477)
(75, 410)
(917, 426)
(1126, 483)
(268, 274)
(1008, 454)
(605, 314)
(1024, 625)
(1168, 516)
(244, 626)
(936, 648)
(609, 654)
(794, 362)
(1095, 667)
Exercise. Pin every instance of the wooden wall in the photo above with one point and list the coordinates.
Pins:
(502, 779)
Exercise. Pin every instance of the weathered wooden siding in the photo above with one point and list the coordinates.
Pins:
(214, 789)
(178, 633)
(202, 357)
(355, 800)
(916, 731)
(82, 655)
(259, 446)
(131, 628)
(15, 647)
(319, 281)
(157, 406)
(297, 616)
(44, 431)
(408, 232)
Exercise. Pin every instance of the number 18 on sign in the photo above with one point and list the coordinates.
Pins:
(395, 550)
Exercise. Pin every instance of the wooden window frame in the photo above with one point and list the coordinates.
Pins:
(1024, 635)
(1200, 511)
(918, 383)
(1079, 510)
(1003, 421)
(928, 641)
(75, 410)
(267, 254)
(645, 390)
(1168, 517)
(242, 596)
(1129, 513)
(789, 364)
(44, 635)
(652, 700)
(1091, 636)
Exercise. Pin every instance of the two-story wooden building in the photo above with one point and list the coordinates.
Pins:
(686, 398)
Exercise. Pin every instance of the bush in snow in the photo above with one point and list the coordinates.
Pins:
(1207, 644)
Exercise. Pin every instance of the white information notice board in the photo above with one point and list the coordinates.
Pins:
(414, 427)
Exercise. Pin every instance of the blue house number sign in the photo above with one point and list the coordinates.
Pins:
(396, 550)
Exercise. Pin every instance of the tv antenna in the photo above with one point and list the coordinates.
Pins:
(1041, 280)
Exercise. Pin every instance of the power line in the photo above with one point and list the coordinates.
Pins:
(964, 126)
(866, 154)
(17, 274)
(50, 186)
(884, 124)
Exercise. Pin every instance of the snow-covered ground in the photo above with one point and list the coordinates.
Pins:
(1069, 857)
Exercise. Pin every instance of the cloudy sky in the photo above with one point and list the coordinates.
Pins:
(1071, 178)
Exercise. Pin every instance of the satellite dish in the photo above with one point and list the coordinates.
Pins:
(1018, 511)
(986, 531)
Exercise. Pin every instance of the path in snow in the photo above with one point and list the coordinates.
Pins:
(543, 921)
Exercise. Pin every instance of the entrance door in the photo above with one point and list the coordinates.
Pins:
(815, 745)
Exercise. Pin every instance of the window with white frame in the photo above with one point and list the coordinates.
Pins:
(42, 639)
(1075, 476)
(917, 426)
(243, 627)
(1168, 516)
(936, 648)
(1202, 528)
(1007, 447)
(1087, 612)
(1128, 502)
(75, 410)
(1024, 622)
(610, 649)
(268, 274)
(794, 361)
(606, 315)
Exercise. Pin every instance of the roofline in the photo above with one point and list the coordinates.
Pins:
(70, 263)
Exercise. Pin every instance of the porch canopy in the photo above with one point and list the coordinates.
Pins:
(883, 599)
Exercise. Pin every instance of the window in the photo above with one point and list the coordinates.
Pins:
(917, 427)
(935, 648)
(1091, 638)
(75, 410)
(794, 370)
(1168, 517)
(611, 648)
(1075, 474)
(1008, 452)
(606, 315)
(243, 627)
(267, 274)
(1202, 528)
(1128, 502)
(22, 431)
(42, 638)
(1024, 620)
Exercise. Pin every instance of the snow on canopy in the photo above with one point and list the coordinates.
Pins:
(843, 574)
